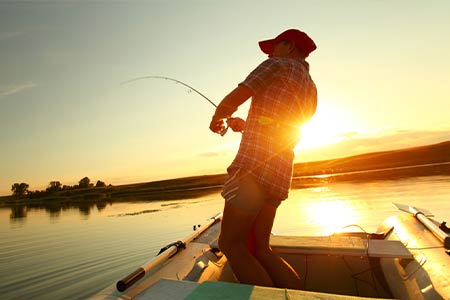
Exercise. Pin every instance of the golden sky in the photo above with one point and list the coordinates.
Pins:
(381, 69)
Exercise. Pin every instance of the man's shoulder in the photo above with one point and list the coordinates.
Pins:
(269, 62)
(284, 62)
(274, 63)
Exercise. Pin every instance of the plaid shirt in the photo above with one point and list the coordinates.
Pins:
(284, 97)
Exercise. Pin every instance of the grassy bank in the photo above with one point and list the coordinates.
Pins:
(418, 161)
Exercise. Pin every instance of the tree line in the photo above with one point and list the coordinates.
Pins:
(20, 190)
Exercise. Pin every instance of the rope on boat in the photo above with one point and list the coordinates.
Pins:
(286, 295)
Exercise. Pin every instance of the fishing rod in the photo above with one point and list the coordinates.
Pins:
(174, 80)
(222, 133)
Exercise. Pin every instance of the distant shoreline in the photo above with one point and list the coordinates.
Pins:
(395, 173)
(387, 165)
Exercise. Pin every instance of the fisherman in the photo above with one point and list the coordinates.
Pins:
(284, 97)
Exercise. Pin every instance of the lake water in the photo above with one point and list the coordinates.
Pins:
(74, 253)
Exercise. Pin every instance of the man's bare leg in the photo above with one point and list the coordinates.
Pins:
(236, 227)
(280, 271)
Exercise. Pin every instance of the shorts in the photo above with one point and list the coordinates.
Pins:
(243, 192)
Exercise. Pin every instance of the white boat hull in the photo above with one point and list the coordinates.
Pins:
(427, 276)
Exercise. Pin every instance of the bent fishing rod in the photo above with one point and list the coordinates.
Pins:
(222, 133)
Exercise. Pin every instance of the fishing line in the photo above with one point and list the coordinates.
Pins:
(222, 133)
(174, 80)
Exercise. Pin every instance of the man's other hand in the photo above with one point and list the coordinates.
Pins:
(236, 124)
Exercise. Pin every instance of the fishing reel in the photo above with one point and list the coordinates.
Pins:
(224, 131)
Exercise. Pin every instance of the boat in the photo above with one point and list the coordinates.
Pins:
(406, 258)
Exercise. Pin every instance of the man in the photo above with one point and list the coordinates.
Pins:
(284, 97)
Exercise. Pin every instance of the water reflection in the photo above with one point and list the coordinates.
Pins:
(85, 209)
(19, 212)
(53, 210)
(101, 206)
(328, 214)
(85, 204)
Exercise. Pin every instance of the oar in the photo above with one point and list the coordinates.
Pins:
(421, 215)
(132, 278)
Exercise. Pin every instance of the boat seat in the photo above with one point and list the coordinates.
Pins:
(339, 245)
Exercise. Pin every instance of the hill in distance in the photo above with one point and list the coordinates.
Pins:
(418, 161)
(429, 154)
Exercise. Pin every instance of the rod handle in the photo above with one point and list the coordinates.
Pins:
(128, 281)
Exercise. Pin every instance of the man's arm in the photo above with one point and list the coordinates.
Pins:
(228, 106)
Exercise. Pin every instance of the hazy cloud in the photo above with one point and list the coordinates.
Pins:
(9, 34)
(210, 154)
(222, 150)
(383, 141)
(14, 89)
(398, 139)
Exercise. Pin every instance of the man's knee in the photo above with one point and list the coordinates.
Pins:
(229, 244)
(263, 252)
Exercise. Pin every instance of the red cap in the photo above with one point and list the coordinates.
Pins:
(301, 40)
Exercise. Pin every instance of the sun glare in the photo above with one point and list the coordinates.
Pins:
(330, 125)
(332, 216)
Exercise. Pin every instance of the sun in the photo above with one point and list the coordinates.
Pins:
(330, 125)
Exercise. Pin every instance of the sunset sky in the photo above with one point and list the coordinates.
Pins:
(381, 68)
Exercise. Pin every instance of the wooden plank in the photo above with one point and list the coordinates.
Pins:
(339, 245)
(326, 245)
(386, 248)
